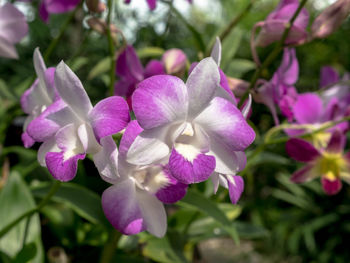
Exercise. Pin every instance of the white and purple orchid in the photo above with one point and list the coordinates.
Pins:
(13, 27)
(329, 163)
(134, 202)
(203, 133)
(78, 126)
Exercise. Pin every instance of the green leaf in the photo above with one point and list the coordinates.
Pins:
(5, 92)
(150, 52)
(237, 67)
(26, 254)
(102, 67)
(78, 63)
(230, 47)
(84, 202)
(16, 199)
(201, 203)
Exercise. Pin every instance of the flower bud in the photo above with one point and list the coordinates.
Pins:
(95, 6)
(174, 61)
(330, 19)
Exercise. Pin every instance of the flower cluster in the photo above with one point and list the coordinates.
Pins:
(184, 133)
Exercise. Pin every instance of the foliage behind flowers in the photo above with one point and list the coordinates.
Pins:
(165, 102)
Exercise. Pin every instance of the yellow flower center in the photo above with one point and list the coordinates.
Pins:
(331, 165)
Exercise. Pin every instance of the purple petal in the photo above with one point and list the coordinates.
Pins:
(27, 140)
(44, 15)
(109, 116)
(222, 121)
(202, 84)
(188, 172)
(328, 76)
(331, 187)
(121, 208)
(308, 108)
(336, 143)
(60, 169)
(47, 146)
(289, 68)
(125, 87)
(7, 49)
(235, 187)
(60, 6)
(174, 191)
(152, 4)
(160, 100)
(132, 130)
(41, 128)
(129, 66)
(301, 150)
(305, 174)
(154, 67)
(72, 91)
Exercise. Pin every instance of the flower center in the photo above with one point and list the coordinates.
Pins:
(331, 165)
(150, 178)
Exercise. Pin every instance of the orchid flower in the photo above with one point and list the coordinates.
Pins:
(38, 99)
(134, 202)
(174, 61)
(81, 126)
(48, 7)
(274, 26)
(182, 120)
(280, 89)
(13, 27)
(329, 163)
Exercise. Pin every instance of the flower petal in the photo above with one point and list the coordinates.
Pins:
(60, 168)
(48, 146)
(305, 174)
(120, 205)
(202, 84)
(337, 142)
(7, 49)
(13, 24)
(331, 187)
(301, 150)
(308, 108)
(109, 116)
(72, 91)
(328, 76)
(191, 171)
(27, 140)
(154, 67)
(235, 187)
(132, 130)
(160, 100)
(222, 121)
(174, 191)
(60, 6)
(87, 139)
(216, 51)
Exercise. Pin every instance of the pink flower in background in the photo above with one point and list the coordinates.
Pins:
(13, 27)
(280, 89)
(274, 25)
(329, 163)
(134, 202)
(48, 7)
(174, 61)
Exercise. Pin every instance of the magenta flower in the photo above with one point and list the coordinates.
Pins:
(13, 27)
(201, 132)
(273, 27)
(80, 126)
(48, 7)
(329, 163)
(134, 202)
(152, 4)
(280, 89)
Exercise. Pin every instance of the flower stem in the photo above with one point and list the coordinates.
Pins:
(110, 246)
(111, 48)
(275, 52)
(56, 185)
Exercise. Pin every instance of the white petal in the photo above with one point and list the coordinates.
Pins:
(47, 146)
(216, 51)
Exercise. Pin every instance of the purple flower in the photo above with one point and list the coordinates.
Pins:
(80, 126)
(48, 7)
(280, 89)
(203, 133)
(275, 24)
(134, 202)
(152, 4)
(329, 162)
(13, 27)
(131, 72)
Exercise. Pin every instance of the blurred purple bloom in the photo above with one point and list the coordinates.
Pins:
(13, 27)
(152, 4)
(329, 162)
(48, 7)
(134, 202)
(275, 24)
(280, 89)
(203, 133)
